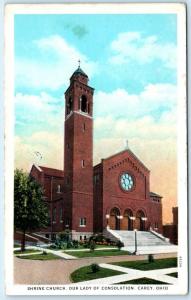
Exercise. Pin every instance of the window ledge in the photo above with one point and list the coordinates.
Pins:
(82, 225)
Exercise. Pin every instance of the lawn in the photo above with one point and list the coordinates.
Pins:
(81, 254)
(81, 247)
(26, 251)
(48, 256)
(144, 265)
(85, 273)
(143, 280)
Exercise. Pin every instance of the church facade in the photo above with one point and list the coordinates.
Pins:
(87, 199)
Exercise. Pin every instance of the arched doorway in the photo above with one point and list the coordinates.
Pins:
(128, 218)
(140, 220)
(114, 220)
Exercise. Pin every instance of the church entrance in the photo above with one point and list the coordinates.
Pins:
(114, 220)
(140, 220)
(128, 219)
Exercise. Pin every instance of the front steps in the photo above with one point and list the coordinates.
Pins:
(148, 242)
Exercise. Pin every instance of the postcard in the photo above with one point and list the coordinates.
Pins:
(95, 149)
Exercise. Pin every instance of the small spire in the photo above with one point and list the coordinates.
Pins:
(79, 63)
(126, 144)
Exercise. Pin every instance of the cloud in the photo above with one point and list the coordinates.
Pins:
(35, 112)
(154, 100)
(50, 145)
(134, 46)
(55, 58)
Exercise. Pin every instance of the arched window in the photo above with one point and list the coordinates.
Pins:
(69, 105)
(84, 104)
(58, 188)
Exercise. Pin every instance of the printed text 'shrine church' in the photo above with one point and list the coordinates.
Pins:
(84, 198)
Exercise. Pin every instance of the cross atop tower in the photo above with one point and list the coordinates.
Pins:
(79, 63)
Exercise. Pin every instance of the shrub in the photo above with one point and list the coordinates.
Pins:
(63, 245)
(69, 244)
(44, 253)
(93, 238)
(75, 244)
(108, 240)
(150, 258)
(65, 236)
(85, 245)
(95, 268)
(92, 246)
(53, 246)
(120, 245)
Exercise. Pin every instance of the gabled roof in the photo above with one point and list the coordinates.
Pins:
(52, 172)
(131, 154)
(154, 195)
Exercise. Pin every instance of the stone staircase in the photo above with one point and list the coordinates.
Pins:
(147, 241)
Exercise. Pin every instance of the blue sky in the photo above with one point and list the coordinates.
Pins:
(93, 34)
(131, 62)
(125, 52)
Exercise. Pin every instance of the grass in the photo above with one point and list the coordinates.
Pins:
(144, 265)
(143, 280)
(48, 256)
(105, 246)
(81, 247)
(173, 274)
(81, 254)
(26, 251)
(85, 273)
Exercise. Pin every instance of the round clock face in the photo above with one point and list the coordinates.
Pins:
(126, 182)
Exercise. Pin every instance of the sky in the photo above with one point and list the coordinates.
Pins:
(130, 61)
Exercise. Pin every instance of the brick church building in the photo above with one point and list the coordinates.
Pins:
(87, 199)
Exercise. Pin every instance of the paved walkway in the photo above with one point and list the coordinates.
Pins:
(57, 253)
(58, 271)
(60, 253)
(87, 249)
(132, 274)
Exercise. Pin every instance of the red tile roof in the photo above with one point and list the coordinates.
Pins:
(52, 172)
(155, 195)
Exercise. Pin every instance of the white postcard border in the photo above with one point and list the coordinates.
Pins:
(101, 8)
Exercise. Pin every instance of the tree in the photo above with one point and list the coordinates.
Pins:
(30, 210)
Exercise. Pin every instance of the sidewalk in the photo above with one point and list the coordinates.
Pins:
(57, 253)
(27, 271)
(132, 274)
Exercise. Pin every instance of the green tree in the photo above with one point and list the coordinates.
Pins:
(30, 210)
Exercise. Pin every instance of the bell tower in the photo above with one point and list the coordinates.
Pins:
(78, 156)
